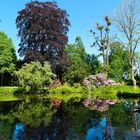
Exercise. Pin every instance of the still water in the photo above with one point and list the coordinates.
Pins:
(72, 121)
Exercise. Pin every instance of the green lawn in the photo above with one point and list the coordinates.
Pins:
(7, 90)
(116, 92)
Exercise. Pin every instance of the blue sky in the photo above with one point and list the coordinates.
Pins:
(83, 16)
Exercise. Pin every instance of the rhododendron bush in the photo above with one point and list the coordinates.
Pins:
(98, 80)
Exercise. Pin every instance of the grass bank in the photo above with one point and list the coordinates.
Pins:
(72, 93)
(64, 92)
(8, 90)
(116, 92)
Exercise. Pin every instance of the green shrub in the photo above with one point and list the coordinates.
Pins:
(34, 76)
(67, 93)
(66, 89)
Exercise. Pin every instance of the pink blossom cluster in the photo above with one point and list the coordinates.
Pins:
(98, 80)
(56, 83)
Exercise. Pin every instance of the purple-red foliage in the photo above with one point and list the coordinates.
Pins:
(42, 28)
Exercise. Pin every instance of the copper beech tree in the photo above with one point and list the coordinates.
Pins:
(42, 28)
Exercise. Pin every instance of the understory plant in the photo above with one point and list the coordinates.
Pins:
(35, 76)
(67, 89)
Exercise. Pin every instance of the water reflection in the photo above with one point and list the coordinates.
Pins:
(40, 121)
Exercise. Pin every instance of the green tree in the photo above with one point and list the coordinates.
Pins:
(7, 59)
(95, 66)
(119, 64)
(78, 57)
(34, 76)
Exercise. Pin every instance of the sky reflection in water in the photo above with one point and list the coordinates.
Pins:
(76, 122)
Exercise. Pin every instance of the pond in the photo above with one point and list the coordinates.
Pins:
(32, 120)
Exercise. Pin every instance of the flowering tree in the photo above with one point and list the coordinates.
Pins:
(98, 80)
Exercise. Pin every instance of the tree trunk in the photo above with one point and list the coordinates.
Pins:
(107, 62)
(104, 62)
(132, 74)
(135, 116)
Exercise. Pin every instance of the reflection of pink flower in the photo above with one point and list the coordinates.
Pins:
(111, 102)
(87, 102)
(56, 102)
(98, 104)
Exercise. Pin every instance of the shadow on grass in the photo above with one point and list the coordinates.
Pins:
(127, 95)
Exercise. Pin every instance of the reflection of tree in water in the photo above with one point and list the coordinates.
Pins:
(6, 129)
(125, 119)
(33, 118)
(114, 125)
(80, 120)
(7, 122)
(135, 131)
(38, 121)
(74, 121)
(121, 120)
(36, 118)
(58, 128)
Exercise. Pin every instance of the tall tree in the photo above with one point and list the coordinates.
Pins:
(127, 20)
(95, 66)
(42, 28)
(119, 65)
(78, 69)
(101, 39)
(7, 59)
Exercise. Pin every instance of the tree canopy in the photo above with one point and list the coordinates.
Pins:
(42, 28)
(94, 65)
(119, 62)
(7, 56)
(78, 58)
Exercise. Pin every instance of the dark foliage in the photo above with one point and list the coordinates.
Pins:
(94, 64)
(42, 28)
(127, 95)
